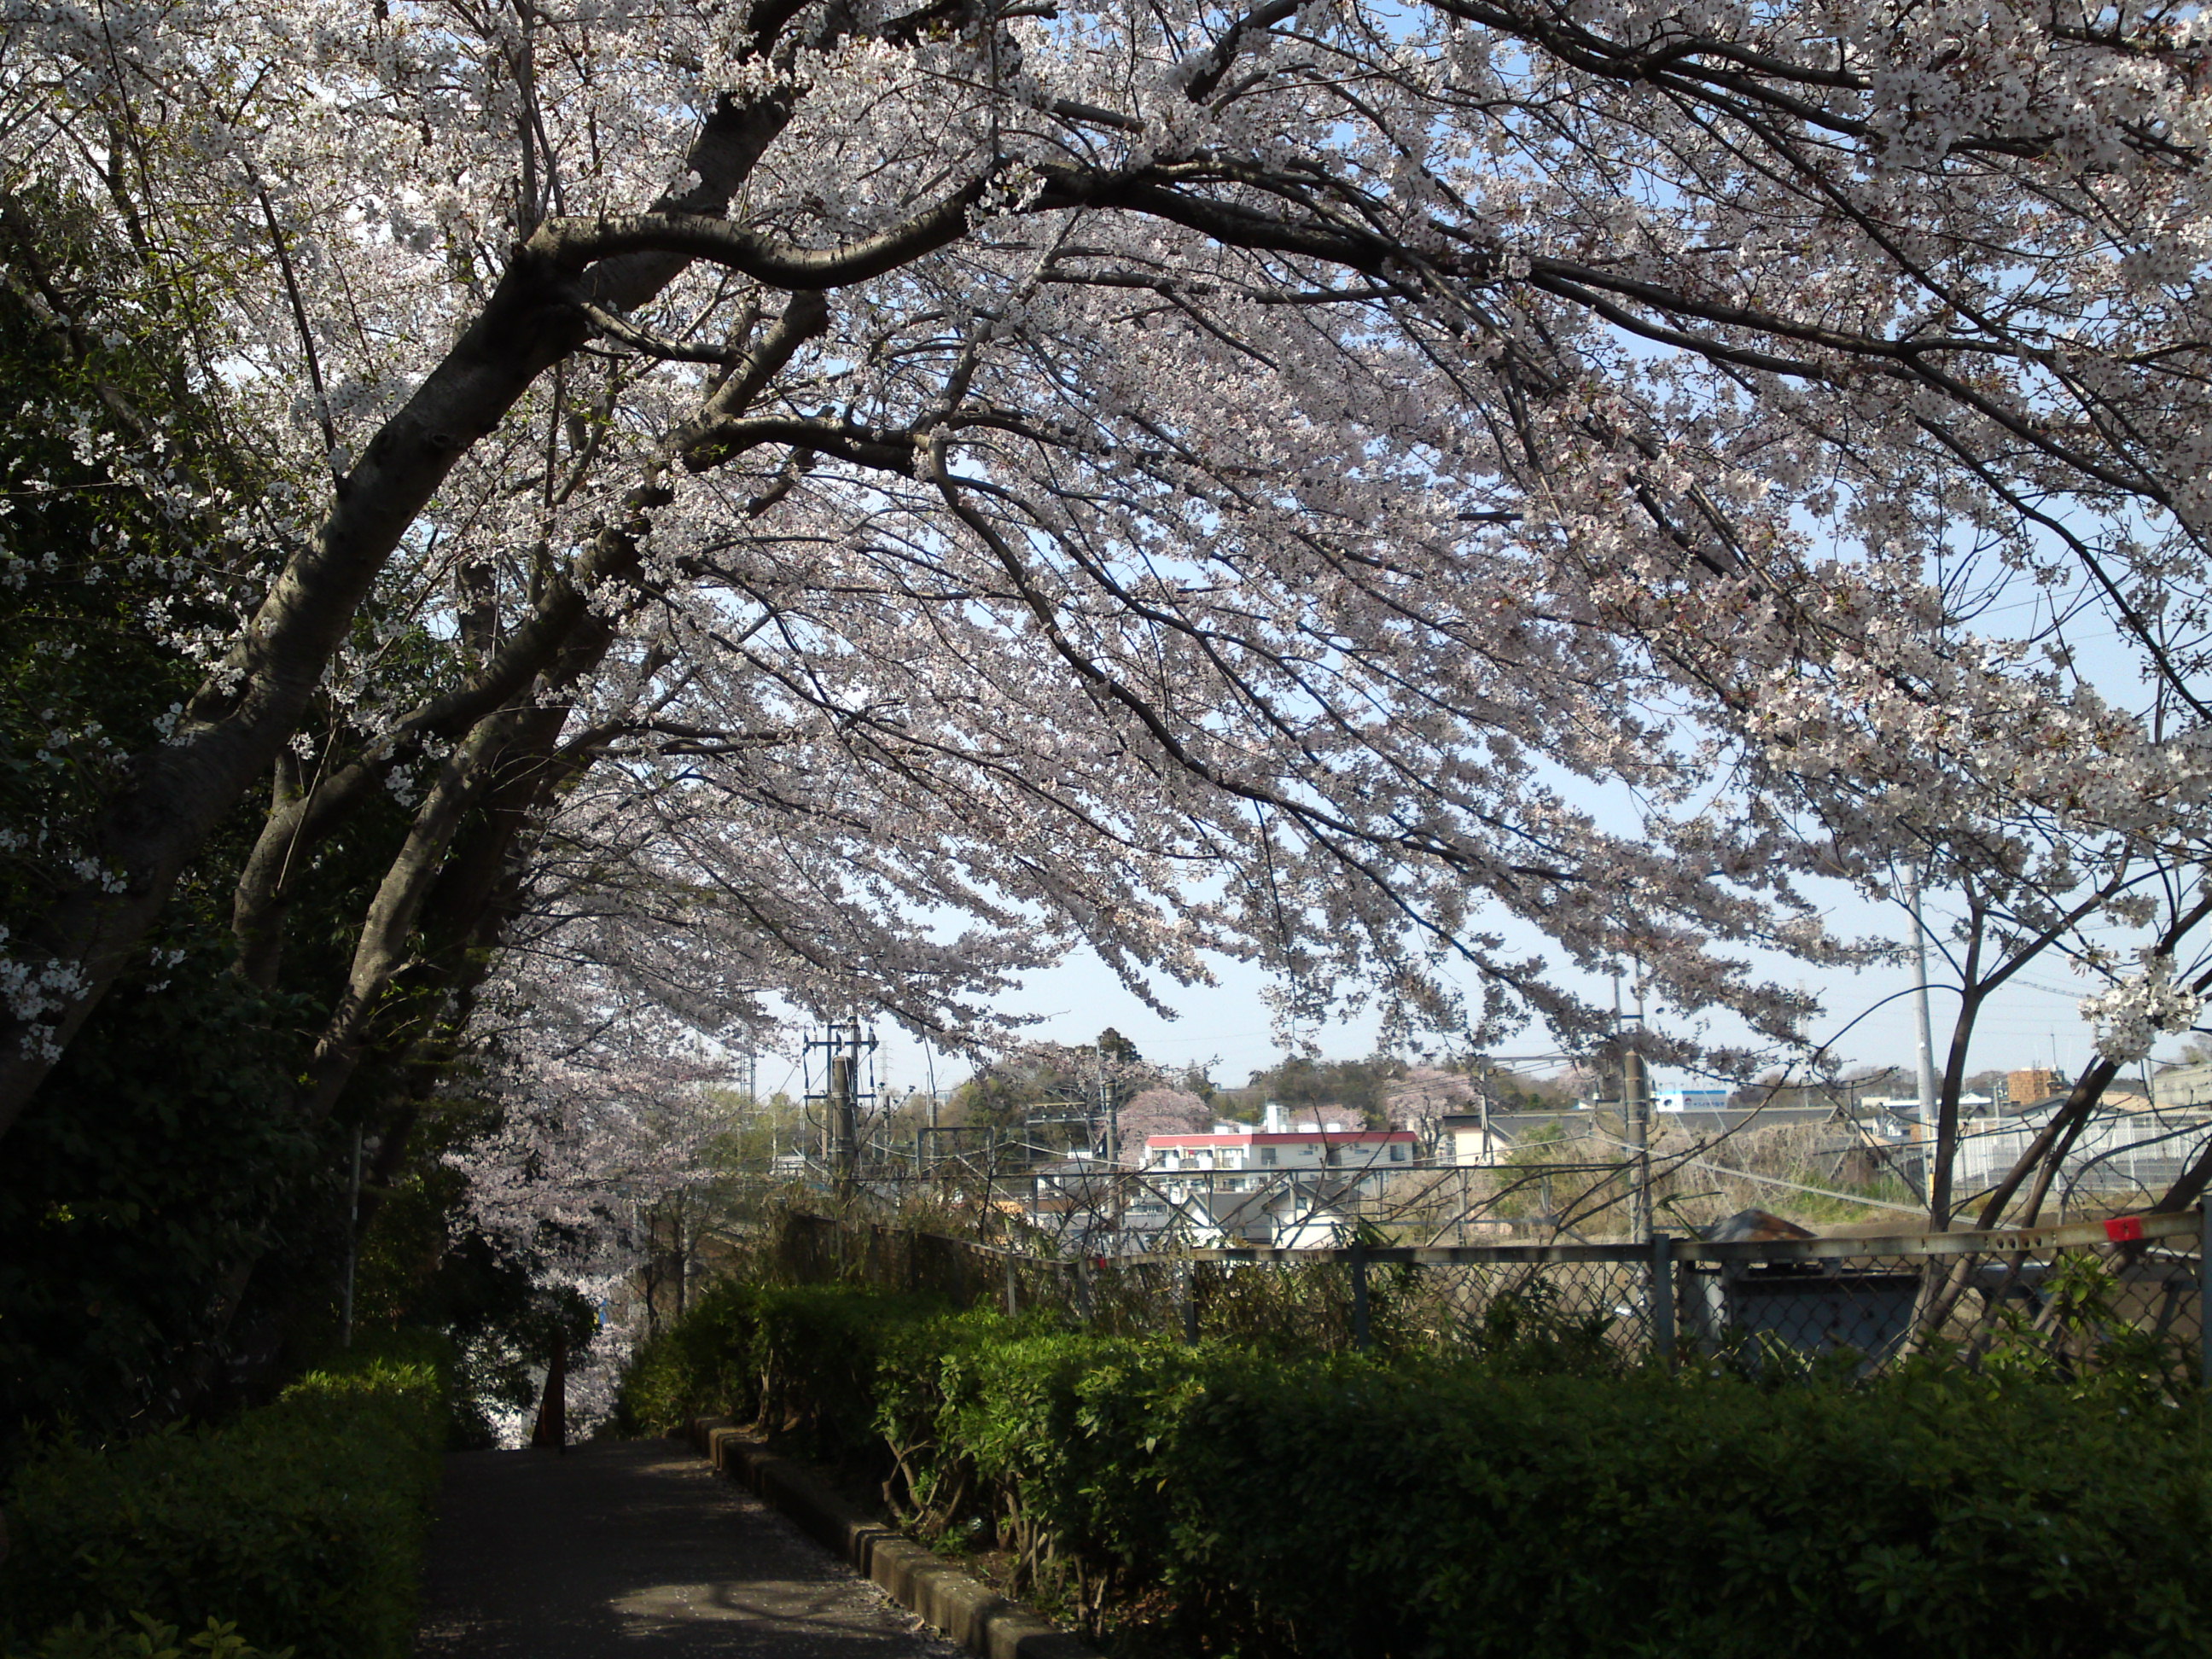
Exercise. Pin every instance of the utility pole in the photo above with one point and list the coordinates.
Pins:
(749, 1114)
(842, 1045)
(1927, 1053)
(1107, 1113)
(1636, 1106)
(852, 1125)
(929, 1068)
(842, 1152)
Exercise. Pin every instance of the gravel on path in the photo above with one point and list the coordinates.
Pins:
(637, 1548)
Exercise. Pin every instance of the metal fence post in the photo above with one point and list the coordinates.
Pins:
(1187, 1282)
(1014, 1288)
(1359, 1300)
(1662, 1303)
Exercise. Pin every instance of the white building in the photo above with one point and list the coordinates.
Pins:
(1238, 1157)
(1283, 1183)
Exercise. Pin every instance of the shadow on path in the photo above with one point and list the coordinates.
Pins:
(637, 1547)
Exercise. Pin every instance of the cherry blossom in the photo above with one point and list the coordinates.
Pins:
(852, 503)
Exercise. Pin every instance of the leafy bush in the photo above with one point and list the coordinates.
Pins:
(148, 1639)
(1344, 1506)
(806, 1358)
(1570, 1515)
(302, 1521)
(700, 1366)
(163, 1151)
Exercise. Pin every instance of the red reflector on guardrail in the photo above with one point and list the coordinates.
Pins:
(2122, 1228)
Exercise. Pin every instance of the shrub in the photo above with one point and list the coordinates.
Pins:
(1377, 1509)
(1440, 1510)
(148, 1639)
(700, 1366)
(804, 1358)
(302, 1521)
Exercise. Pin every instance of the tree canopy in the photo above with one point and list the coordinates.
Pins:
(659, 508)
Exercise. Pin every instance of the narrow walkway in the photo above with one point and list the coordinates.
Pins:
(637, 1548)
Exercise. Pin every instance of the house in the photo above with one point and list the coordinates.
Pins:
(2031, 1084)
(1288, 1215)
(1081, 1180)
(1239, 1156)
(1293, 1184)
(1481, 1138)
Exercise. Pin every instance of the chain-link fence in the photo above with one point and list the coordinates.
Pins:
(2129, 1290)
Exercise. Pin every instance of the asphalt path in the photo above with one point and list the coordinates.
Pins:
(637, 1548)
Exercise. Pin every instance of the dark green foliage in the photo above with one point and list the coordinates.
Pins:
(161, 1152)
(171, 1227)
(1342, 1506)
(424, 1266)
(162, 1156)
(1573, 1515)
(140, 1638)
(700, 1366)
(818, 1350)
(110, 560)
(301, 1522)
(806, 1356)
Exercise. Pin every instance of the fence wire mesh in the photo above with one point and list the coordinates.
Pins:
(2084, 1296)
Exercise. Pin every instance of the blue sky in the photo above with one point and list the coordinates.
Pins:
(2024, 1024)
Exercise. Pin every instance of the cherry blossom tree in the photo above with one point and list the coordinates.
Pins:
(606, 1164)
(1158, 1111)
(1276, 482)
(1418, 1100)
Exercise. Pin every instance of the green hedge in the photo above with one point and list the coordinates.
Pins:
(1344, 1507)
(808, 1356)
(301, 1523)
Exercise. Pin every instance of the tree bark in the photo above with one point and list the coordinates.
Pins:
(174, 798)
(551, 1432)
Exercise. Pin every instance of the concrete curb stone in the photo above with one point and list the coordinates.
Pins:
(948, 1600)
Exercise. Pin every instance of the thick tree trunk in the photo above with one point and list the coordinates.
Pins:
(551, 1431)
(429, 936)
(174, 797)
